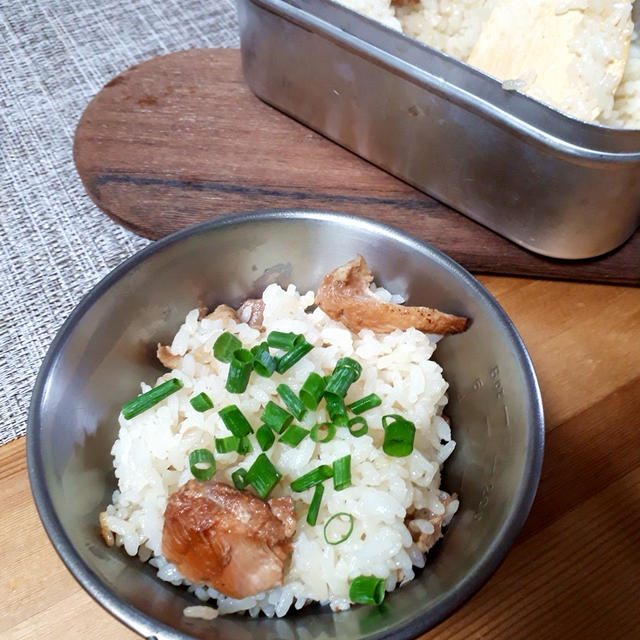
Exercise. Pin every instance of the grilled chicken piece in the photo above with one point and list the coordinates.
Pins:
(105, 532)
(251, 311)
(424, 541)
(222, 312)
(344, 295)
(167, 357)
(570, 57)
(228, 539)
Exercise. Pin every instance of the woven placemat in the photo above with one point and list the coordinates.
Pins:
(54, 243)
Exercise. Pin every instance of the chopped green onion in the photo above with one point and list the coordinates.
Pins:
(345, 536)
(399, 434)
(367, 590)
(239, 371)
(235, 421)
(357, 432)
(285, 341)
(263, 476)
(291, 357)
(264, 363)
(239, 477)
(294, 404)
(225, 346)
(314, 507)
(312, 390)
(340, 381)
(202, 464)
(226, 445)
(265, 437)
(352, 364)
(342, 473)
(232, 443)
(311, 479)
(336, 409)
(244, 446)
(276, 417)
(201, 402)
(366, 403)
(150, 398)
(294, 435)
(326, 428)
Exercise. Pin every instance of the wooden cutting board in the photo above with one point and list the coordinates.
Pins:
(181, 139)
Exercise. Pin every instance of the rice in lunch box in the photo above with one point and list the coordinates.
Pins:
(152, 450)
(454, 27)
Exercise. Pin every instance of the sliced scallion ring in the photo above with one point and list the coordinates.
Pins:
(244, 446)
(265, 437)
(312, 390)
(201, 402)
(226, 445)
(294, 404)
(314, 507)
(284, 341)
(342, 473)
(312, 478)
(340, 381)
(336, 409)
(358, 426)
(202, 464)
(352, 364)
(366, 403)
(263, 476)
(235, 421)
(276, 417)
(367, 590)
(399, 434)
(339, 540)
(323, 432)
(239, 477)
(264, 364)
(286, 361)
(294, 435)
(240, 369)
(225, 346)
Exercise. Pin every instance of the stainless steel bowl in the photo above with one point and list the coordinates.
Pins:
(107, 345)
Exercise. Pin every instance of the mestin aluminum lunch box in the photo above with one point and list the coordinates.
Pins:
(555, 185)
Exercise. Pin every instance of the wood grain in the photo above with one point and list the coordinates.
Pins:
(573, 571)
(181, 139)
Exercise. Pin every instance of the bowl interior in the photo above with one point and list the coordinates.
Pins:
(108, 345)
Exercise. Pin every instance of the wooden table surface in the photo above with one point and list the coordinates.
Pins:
(574, 570)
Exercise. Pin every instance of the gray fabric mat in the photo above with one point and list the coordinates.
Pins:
(55, 244)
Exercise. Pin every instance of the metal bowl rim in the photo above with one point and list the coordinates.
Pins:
(484, 566)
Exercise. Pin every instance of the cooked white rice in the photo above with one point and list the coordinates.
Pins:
(380, 10)
(450, 26)
(453, 27)
(626, 107)
(152, 450)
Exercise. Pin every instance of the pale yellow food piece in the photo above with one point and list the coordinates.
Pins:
(570, 54)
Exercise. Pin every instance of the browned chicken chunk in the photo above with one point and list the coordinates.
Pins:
(251, 311)
(424, 541)
(228, 539)
(222, 312)
(167, 357)
(344, 295)
(107, 534)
